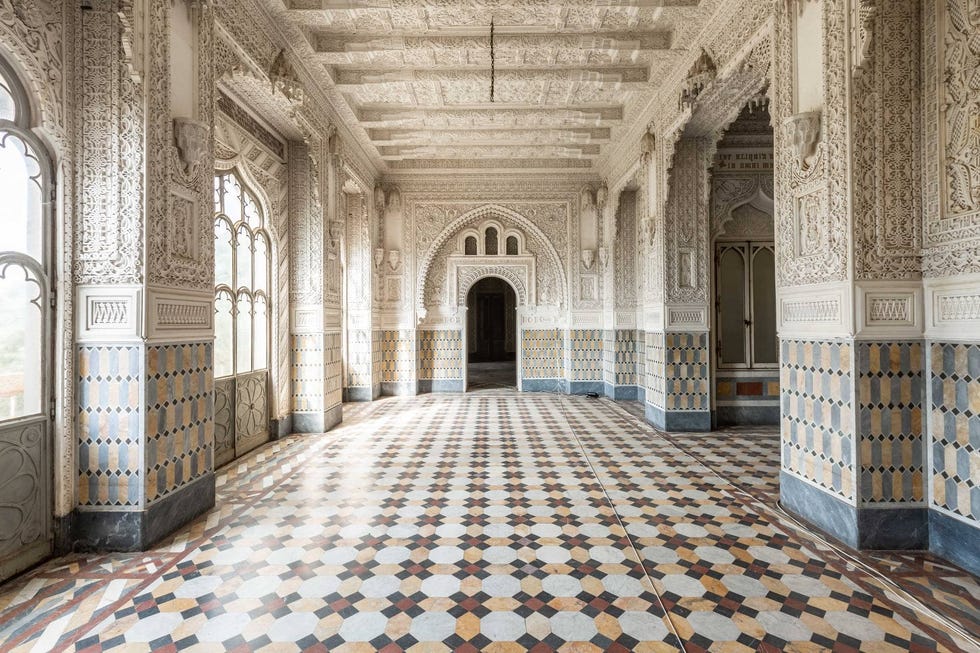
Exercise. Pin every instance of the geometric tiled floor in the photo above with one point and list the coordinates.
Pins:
(482, 522)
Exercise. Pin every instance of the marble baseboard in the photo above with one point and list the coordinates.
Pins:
(440, 385)
(333, 416)
(893, 529)
(747, 415)
(398, 389)
(137, 530)
(955, 540)
(585, 387)
(654, 415)
(828, 513)
(641, 394)
(282, 427)
(544, 385)
(621, 392)
(358, 393)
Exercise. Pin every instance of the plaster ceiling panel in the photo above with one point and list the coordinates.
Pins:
(416, 73)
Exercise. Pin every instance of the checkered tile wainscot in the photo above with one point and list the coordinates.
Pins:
(542, 354)
(686, 371)
(955, 428)
(180, 416)
(397, 356)
(889, 397)
(110, 425)
(440, 355)
(585, 354)
(817, 414)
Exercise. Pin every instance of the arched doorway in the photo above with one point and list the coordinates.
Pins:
(745, 345)
(26, 360)
(491, 335)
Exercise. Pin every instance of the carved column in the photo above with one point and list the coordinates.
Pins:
(853, 363)
(677, 355)
(315, 333)
(398, 343)
(363, 340)
(144, 273)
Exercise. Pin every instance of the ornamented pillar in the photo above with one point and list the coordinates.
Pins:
(144, 272)
(849, 296)
(363, 381)
(677, 354)
(315, 330)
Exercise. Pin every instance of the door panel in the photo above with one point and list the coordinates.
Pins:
(251, 411)
(224, 421)
(25, 512)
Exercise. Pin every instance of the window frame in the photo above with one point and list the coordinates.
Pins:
(237, 291)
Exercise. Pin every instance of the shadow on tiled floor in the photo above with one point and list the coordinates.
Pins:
(748, 458)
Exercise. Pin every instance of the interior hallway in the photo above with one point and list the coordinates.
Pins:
(512, 522)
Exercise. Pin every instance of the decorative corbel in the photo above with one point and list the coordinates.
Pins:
(588, 258)
(601, 195)
(394, 259)
(701, 74)
(805, 134)
(648, 146)
(865, 15)
(284, 79)
(191, 138)
(379, 257)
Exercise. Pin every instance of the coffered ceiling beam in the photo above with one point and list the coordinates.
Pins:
(578, 74)
(330, 43)
(516, 135)
(344, 5)
(436, 117)
(395, 153)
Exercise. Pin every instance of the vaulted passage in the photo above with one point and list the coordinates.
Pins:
(468, 523)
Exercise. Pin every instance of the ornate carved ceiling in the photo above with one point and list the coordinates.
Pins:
(415, 74)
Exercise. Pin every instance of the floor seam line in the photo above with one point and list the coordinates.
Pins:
(619, 520)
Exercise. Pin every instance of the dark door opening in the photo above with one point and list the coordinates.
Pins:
(491, 335)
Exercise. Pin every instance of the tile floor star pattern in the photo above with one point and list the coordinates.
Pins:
(477, 523)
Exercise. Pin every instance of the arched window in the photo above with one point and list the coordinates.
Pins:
(492, 246)
(469, 246)
(24, 258)
(242, 277)
(26, 330)
(512, 246)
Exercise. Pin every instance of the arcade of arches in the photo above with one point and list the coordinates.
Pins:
(490, 325)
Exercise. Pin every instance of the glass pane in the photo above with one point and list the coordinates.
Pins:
(223, 253)
(261, 334)
(244, 339)
(8, 110)
(243, 276)
(224, 336)
(233, 198)
(765, 344)
(261, 264)
(470, 246)
(252, 214)
(217, 194)
(512, 246)
(20, 345)
(731, 306)
(20, 198)
(491, 244)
